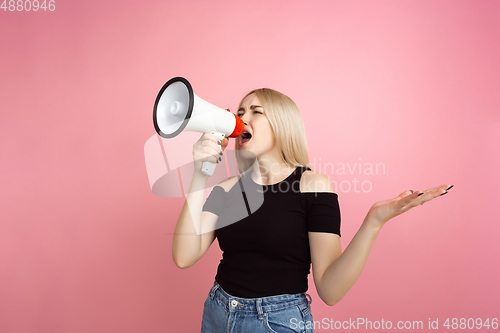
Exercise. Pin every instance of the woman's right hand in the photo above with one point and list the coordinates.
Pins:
(207, 149)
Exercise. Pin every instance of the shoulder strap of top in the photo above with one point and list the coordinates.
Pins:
(302, 169)
(294, 179)
(298, 173)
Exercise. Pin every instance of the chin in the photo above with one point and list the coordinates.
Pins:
(245, 153)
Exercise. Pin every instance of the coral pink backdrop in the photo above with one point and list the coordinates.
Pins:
(85, 246)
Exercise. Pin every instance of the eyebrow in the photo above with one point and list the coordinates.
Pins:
(252, 107)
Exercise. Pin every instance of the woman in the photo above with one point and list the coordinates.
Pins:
(270, 241)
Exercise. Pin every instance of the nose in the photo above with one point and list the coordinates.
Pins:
(244, 117)
(244, 121)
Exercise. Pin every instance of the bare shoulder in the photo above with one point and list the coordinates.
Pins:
(227, 184)
(313, 181)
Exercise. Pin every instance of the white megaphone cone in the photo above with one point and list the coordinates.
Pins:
(178, 109)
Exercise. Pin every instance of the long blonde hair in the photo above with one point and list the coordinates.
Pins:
(287, 125)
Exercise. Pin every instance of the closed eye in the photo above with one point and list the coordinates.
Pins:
(241, 114)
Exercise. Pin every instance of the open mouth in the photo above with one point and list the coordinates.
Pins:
(245, 137)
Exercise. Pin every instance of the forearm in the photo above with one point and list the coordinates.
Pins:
(341, 275)
(186, 244)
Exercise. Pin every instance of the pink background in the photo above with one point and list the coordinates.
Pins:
(85, 246)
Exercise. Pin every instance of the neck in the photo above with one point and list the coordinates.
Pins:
(270, 171)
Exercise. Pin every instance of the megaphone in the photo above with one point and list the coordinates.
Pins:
(178, 109)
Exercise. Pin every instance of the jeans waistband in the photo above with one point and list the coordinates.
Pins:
(260, 304)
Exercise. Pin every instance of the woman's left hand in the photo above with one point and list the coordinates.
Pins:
(383, 211)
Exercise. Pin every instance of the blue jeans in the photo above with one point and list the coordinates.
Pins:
(287, 313)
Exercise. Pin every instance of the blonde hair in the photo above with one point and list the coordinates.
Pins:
(287, 125)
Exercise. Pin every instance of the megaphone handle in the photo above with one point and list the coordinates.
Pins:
(208, 168)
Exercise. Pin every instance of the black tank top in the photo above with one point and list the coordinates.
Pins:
(262, 231)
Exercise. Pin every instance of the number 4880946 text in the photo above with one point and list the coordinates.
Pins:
(28, 5)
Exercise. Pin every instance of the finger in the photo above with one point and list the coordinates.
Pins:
(444, 187)
(405, 199)
(225, 143)
(211, 137)
(405, 194)
(434, 193)
(205, 154)
(208, 148)
(208, 137)
(211, 147)
(412, 199)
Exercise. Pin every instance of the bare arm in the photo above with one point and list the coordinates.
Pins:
(194, 233)
(189, 243)
(336, 272)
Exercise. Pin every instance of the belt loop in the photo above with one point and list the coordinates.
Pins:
(258, 304)
(214, 289)
(309, 298)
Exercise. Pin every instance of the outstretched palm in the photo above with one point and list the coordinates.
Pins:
(383, 211)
